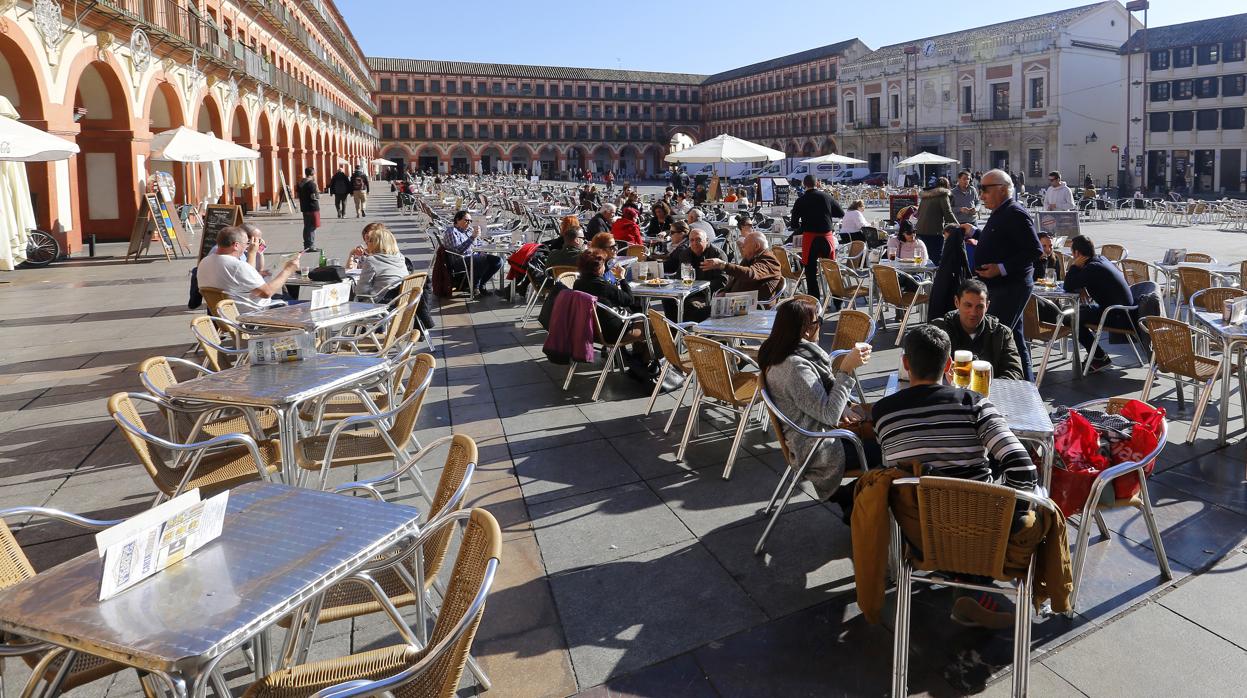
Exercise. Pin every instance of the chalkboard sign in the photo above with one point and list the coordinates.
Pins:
(164, 222)
(219, 216)
(896, 202)
(1059, 223)
(170, 213)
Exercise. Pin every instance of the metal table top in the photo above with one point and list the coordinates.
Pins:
(301, 316)
(280, 545)
(276, 385)
(1018, 400)
(1054, 292)
(623, 261)
(1213, 323)
(673, 290)
(755, 325)
(1214, 267)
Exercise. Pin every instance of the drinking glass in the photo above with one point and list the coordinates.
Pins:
(687, 274)
(1049, 277)
(643, 272)
(981, 377)
(961, 368)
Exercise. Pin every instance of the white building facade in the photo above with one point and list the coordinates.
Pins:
(1029, 96)
(1188, 94)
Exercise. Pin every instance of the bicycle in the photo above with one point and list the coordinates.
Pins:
(41, 249)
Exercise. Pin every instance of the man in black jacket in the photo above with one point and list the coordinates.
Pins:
(698, 250)
(813, 216)
(601, 222)
(970, 328)
(1101, 283)
(340, 187)
(1005, 256)
(309, 204)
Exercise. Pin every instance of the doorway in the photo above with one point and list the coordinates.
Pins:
(1231, 166)
(876, 162)
(1205, 166)
(427, 163)
(999, 160)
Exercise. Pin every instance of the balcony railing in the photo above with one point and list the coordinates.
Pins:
(996, 114)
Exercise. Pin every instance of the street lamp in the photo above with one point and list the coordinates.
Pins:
(1132, 7)
(1091, 138)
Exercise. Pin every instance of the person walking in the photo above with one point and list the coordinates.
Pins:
(965, 199)
(340, 187)
(935, 211)
(813, 215)
(359, 190)
(309, 204)
(1058, 196)
(1005, 256)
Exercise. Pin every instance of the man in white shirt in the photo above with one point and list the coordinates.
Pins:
(1058, 196)
(227, 270)
(696, 223)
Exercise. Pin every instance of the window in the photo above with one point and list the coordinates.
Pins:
(386, 107)
(451, 87)
(872, 110)
(595, 92)
(404, 107)
(467, 131)
(435, 108)
(1158, 122)
(1206, 87)
(402, 85)
(894, 106)
(1233, 85)
(466, 88)
(419, 107)
(1183, 57)
(387, 131)
(417, 86)
(541, 110)
(567, 91)
(1034, 160)
(1160, 92)
(480, 88)
(580, 91)
(597, 132)
(497, 132)
(1182, 89)
(1208, 54)
(420, 132)
(555, 130)
(437, 131)
(404, 131)
(1207, 119)
(1183, 120)
(435, 86)
(513, 131)
(467, 109)
(1232, 51)
(541, 132)
(387, 85)
(965, 158)
(452, 130)
(541, 90)
(510, 88)
(1232, 119)
(967, 99)
(1037, 93)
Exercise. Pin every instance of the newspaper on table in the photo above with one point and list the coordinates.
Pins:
(1235, 311)
(281, 347)
(733, 304)
(1174, 255)
(330, 295)
(158, 538)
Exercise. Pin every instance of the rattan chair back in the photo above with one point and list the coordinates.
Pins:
(805, 297)
(1113, 252)
(965, 525)
(852, 326)
(1035, 328)
(157, 373)
(461, 456)
(1172, 347)
(14, 565)
(209, 340)
(121, 407)
(1135, 271)
(785, 262)
(567, 278)
(835, 278)
(855, 256)
(1199, 258)
(413, 281)
(413, 397)
(1242, 268)
(1193, 280)
(212, 297)
(711, 367)
(660, 332)
(1212, 300)
(636, 251)
(888, 285)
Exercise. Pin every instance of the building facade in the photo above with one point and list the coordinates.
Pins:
(459, 117)
(788, 103)
(1030, 96)
(1188, 93)
(286, 78)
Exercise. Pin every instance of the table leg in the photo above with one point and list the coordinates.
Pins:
(1077, 348)
(286, 428)
(1223, 407)
(679, 313)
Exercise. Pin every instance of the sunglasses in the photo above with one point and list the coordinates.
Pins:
(989, 186)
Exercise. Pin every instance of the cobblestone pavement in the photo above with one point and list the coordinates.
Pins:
(625, 572)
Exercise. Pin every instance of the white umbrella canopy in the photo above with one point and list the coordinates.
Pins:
(725, 148)
(927, 159)
(183, 144)
(22, 143)
(833, 159)
(383, 161)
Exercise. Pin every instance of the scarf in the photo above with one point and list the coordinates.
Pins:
(819, 359)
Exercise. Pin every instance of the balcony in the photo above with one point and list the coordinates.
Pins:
(996, 114)
(869, 122)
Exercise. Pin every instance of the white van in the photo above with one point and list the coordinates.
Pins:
(850, 174)
(823, 173)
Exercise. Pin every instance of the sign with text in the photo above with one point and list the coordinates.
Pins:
(896, 202)
(1059, 223)
(219, 216)
(330, 295)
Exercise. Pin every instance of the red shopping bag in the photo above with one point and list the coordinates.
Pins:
(1143, 439)
(1078, 446)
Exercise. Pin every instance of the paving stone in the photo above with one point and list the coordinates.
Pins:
(1193, 531)
(681, 677)
(1207, 599)
(564, 471)
(705, 502)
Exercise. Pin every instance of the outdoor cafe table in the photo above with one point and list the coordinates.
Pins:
(1059, 295)
(1019, 402)
(280, 548)
(672, 290)
(301, 316)
(1231, 336)
(755, 325)
(282, 388)
(1175, 282)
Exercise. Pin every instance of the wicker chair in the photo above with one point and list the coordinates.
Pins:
(409, 670)
(15, 567)
(964, 531)
(217, 356)
(794, 471)
(567, 278)
(1191, 280)
(637, 252)
(855, 255)
(664, 333)
(212, 467)
(786, 267)
(1199, 258)
(1131, 334)
(852, 326)
(212, 297)
(718, 380)
(347, 444)
(552, 274)
(1211, 300)
(388, 334)
(349, 403)
(1049, 333)
(1113, 252)
(1135, 270)
(838, 288)
(156, 375)
(1173, 352)
(1096, 504)
(888, 285)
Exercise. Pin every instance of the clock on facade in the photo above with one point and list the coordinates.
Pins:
(928, 48)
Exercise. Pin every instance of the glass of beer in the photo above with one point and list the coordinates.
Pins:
(981, 377)
(961, 368)
(687, 274)
(1049, 277)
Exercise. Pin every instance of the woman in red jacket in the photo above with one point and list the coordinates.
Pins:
(625, 228)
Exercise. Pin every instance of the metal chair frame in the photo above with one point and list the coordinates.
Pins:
(208, 345)
(1061, 330)
(921, 288)
(1204, 394)
(613, 352)
(700, 395)
(1130, 335)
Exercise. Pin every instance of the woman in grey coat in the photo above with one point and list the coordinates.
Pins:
(799, 377)
(383, 265)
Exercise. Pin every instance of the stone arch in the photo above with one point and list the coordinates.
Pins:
(24, 87)
(460, 157)
(521, 157)
(792, 148)
(266, 168)
(630, 162)
(105, 169)
(809, 150)
(491, 161)
(654, 159)
(209, 117)
(603, 159)
(577, 157)
(428, 158)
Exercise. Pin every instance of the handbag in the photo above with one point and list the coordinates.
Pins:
(332, 273)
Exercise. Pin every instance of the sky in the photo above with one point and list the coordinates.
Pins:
(649, 35)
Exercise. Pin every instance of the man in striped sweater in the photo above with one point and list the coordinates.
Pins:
(952, 432)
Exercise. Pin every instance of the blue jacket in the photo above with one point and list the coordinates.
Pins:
(1009, 238)
(1102, 280)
